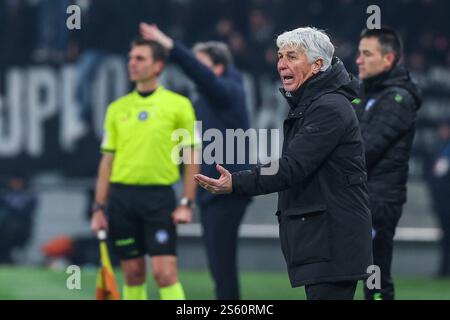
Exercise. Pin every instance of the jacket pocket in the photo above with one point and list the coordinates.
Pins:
(305, 235)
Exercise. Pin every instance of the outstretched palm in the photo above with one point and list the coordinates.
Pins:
(222, 185)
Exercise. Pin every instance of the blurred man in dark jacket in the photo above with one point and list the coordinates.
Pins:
(17, 209)
(220, 105)
(439, 184)
(386, 110)
(323, 204)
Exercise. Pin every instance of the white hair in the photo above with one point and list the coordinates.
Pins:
(315, 43)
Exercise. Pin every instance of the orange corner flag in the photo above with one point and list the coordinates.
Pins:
(106, 280)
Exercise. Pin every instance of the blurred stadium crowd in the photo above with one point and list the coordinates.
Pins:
(34, 30)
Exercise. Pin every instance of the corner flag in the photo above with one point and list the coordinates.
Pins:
(106, 281)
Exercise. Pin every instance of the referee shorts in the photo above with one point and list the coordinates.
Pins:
(140, 220)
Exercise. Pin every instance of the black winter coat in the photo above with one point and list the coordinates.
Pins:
(323, 205)
(387, 113)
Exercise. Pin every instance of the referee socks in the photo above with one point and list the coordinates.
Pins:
(172, 292)
(135, 292)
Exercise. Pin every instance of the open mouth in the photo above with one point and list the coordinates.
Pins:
(287, 79)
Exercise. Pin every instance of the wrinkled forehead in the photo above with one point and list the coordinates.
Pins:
(290, 48)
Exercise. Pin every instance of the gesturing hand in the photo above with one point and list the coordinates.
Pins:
(151, 32)
(222, 185)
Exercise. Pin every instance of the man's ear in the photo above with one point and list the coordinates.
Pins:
(219, 69)
(317, 66)
(159, 66)
(389, 58)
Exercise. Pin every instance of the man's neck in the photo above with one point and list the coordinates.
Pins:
(147, 86)
(378, 78)
(295, 96)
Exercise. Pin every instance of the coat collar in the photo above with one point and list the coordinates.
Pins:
(331, 80)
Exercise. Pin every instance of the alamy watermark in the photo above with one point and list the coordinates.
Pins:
(374, 20)
(374, 280)
(73, 281)
(221, 149)
(73, 22)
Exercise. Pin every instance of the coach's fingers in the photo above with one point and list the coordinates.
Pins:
(201, 178)
(206, 180)
(199, 182)
(207, 187)
(222, 170)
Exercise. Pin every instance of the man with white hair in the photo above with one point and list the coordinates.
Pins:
(323, 205)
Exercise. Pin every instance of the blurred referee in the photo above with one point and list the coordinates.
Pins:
(220, 106)
(134, 198)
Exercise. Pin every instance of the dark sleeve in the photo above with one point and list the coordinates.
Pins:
(390, 120)
(215, 88)
(25, 208)
(319, 136)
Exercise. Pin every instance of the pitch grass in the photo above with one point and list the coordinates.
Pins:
(17, 283)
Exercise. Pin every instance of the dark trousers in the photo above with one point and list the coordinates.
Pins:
(220, 221)
(344, 290)
(444, 219)
(385, 217)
